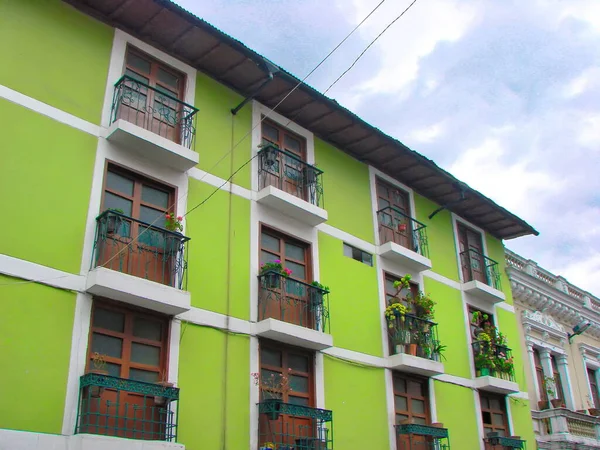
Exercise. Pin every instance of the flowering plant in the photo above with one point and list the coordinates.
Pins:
(275, 385)
(320, 286)
(424, 306)
(269, 445)
(394, 310)
(275, 266)
(173, 223)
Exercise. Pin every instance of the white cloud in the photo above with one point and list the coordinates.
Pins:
(589, 134)
(427, 134)
(584, 273)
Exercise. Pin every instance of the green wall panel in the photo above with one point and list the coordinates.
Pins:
(522, 423)
(456, 410)
(35, 355)
(507, 322)
(495, 249)
(346, 190)
(46, 178)
(208, 227)
(356, 395)
(57, 55)
(354, 299)
(451, 327)
(215, 125)
(202, 378)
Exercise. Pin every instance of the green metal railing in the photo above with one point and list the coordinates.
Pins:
(414, 335)
(504, 443)
(286, 171)
(480, 268)
(154, 109)
(132, 409)
(294, 427)
(138, 248)
(292, 301)
(422, 437)
(395, 226)
(493, 360)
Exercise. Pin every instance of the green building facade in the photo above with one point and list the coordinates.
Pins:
(117, 331)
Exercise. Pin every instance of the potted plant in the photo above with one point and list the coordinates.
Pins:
(173, 240)
(423, 306)
(273, 271)
(113, 221)
(402, 227)
(273, 389)
(98, 368)
(500, 342)
(437, 425)
(594, 411)
(395, 314)
(484, 359)
(267, 446)
(316, 293)
(437, 350)
(160, 400)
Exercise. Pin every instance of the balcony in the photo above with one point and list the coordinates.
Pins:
(481, 277)
(290, 185)
(294, 427)
(421, 437)
(566, 429)
(139, 263)
(113, 406)
(504, 443)
(403, 239)
(414, 346)
(494, 367)
(293, 312)
(153, 123)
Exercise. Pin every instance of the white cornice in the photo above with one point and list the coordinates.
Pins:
(544, 324)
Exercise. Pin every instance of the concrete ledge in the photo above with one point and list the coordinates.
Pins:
(289, 333)
(483, 291)
(413, 364)
(496, 385)
(291, 206)
(404, 256)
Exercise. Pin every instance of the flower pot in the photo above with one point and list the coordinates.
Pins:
(173, 242)
(271, 280)
(402, 227)
(556, 402)
(113, 223)
(159, 400)
(594, 411)
(96, 391)
(274, 407)
(501, 350)
(485, 371)
(543, 404)
(437, 425)
(411, 349)
(399, 349)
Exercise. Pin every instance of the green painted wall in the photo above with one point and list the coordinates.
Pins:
(495, 249)
(208, 250)
(346, 190)
(215, 125)
(46, 177)
(522, 423)
(202, 377)
(356, 395)
(354, 298)
(451, 327)
(456, 410)
(35, 353)
(507, 322)
(57, 55)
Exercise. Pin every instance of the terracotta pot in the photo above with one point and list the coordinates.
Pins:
(594, 411)
(159, 400)
(412, 349)
(543, 404)
(402, 227)
(556, 402)
(437, 425)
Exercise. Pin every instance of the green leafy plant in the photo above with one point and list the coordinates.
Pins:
(116, 210)
(424, 306)
(173, 223)
(275, 266)
(439, 349)
(320, 286)
(548, 384)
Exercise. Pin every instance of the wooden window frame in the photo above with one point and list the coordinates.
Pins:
(362, 253)
(539, 372)
(283, 131)
(591, 374)
(426, 399)
(388, 276)
(558, 386)
(263, 228)
(502, 410)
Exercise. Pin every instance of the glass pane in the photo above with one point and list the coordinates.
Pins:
(298, 362)
(269, 242)
(498, 420)
(294, 252)
(418, 406)
(152, 216)
(143, 375)
(269, 132)
(294, 145)
(367, 258)
(485, 404)
(109, 320)
(495, 404)
(415, 389)
(147, 329)
(400, 403)
(135, 61)
(298, 400)
(298, 271)
(112, 201)
(266, 257)
(114, 370)
(400, 418)
(107, 345)
(501, 432)
(155, 197)
(347, 251)
(420, 420)
(167, 78)
(486, 417)
(382, 203)
(270, 357)
(298, 384)
(270, 379)
(136, 77)
(119, 183)
(399, 385)
(145, 354)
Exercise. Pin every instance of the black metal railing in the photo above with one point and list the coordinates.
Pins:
(479, 267)
(132, 409)
(137, 248)
(504, 443)
(413, 335)
(493, 360)
(287, 426)
(422, 437)
(289, 300)
(395, 226)
(288, 172)
(154, 109)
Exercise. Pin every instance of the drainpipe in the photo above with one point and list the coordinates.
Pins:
(272, 69)
(462, 198)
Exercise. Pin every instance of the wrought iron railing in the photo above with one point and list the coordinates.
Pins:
(288, 172)
(137, 248)
(504, 443)
(422, 437)
(294, 427)
(479, 267)
(132, 409)
(395, 226)
(289, 300)
(414, 335)
(154, 109)
(493, 360)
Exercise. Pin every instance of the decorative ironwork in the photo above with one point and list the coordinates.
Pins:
(292, 301)
(288, 172)
(395, 226)
(413, 335)
(501, 442)
(421, 437)
(154, 109)
(493, 360)
(422, 430)
(120, 407)
(481, 268)
(138, 248)
(295, 427)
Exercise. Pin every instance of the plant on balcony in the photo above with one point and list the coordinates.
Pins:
(272, 271)
(273, 388)
(113, 221)
(160, 400)
(423, 306)
(173, 223)
(316, 295)
(268, 446)
(99, 368)
(485, 358)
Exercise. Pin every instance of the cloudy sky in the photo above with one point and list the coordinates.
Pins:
(505, 94)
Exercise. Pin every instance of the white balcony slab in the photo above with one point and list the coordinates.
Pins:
(291, 206)
(413, 364)
(483, 291)
(496, 385)
(151, 145)
(137, 291)
(291, 334)
(404, 256)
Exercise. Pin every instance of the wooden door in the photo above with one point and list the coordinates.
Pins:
(493, 416)
(539, 373)
(593, 387)
(471, 255)
(394, 227)
(411, 403)
(560, 393)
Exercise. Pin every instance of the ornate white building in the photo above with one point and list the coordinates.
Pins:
(564, 361)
